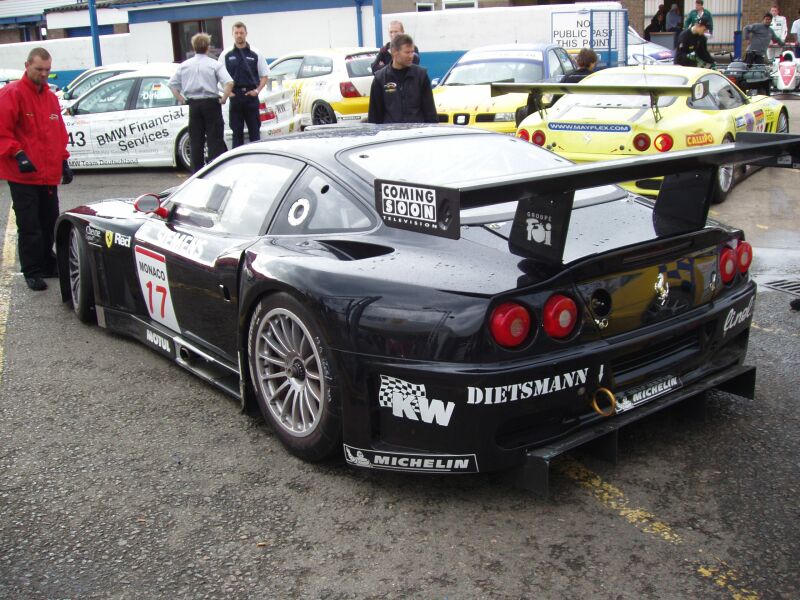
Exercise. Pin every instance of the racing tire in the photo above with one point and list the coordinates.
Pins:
(322, 114)
(723, 179)
(294, 378)
(79, 278)
(783, 122)
(183, 151)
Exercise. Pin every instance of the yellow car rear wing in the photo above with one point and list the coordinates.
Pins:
(535, 92)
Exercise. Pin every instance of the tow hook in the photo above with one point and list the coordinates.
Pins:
(604, 395)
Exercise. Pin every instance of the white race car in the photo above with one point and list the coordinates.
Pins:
(91, 77)
(786, 72)
(133, 120)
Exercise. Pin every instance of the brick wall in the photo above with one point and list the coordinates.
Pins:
(10, 36)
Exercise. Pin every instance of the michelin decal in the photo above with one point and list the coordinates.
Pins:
(426, 463)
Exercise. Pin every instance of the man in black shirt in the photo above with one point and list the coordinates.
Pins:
(250, 72)
(692, 45)
(401, 92)
(384, 55)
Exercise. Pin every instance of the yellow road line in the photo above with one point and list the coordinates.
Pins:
(6, 273)
(773, 330)
(612, 497)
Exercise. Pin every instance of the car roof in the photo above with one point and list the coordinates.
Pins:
(332, 52)
(157, 70)
(508, 47)
(691, 73)
(322, 144)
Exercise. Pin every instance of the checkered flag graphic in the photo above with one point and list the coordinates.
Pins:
(391, 386)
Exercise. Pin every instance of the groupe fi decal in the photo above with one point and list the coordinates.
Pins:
(395, 461)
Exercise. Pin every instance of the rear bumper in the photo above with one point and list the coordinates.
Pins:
(455, 418)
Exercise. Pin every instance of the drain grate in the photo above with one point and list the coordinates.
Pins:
(790, 286)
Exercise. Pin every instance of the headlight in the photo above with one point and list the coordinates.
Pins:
(504, 116)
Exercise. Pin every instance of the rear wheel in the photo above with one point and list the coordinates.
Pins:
(294, 377)
(80, 278)
(723, 182)
(322, 114)
(183, 151)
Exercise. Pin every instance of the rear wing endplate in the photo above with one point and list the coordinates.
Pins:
(545, 198)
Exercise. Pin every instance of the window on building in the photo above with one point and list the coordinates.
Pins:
(424, 6)
(182, 32)
(459, 4)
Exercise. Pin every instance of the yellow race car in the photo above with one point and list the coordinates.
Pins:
(463, 96)
(633, 111)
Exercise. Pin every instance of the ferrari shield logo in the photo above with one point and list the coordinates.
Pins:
(662, 288)
(109, 238)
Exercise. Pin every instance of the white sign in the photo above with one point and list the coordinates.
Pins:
(574, 30)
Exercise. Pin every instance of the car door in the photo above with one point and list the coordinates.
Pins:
(94, 125)
(188, 265)
(154, 121)
(555, 67)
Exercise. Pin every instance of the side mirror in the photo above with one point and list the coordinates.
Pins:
(435, 81)
(150, 204)
(699, 90)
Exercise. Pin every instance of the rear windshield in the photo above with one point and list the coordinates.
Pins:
(358, 65)
(622, 101)
(495, 71)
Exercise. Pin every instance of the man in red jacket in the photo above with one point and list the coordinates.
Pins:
(33, 159)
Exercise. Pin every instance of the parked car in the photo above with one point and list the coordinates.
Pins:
(331, 85)
(786, 72)
(635, 111)
(133, 119)
(390, 294)
(463, 96)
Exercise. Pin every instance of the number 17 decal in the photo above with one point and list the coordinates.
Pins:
(154, 281)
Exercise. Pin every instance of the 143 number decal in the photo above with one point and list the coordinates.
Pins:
(76, 139)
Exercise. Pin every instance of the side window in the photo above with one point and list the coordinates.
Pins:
(288, 69)
(154, 93)
(238, 196)
(712, 100)
(316, 66)
(566, 62)
(317, 205)
(91, 81)
(554, 65)
(729, 96)
(108, 97)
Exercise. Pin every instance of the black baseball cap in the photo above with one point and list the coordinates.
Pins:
(704, 21)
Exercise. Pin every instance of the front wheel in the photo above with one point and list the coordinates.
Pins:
(783, 123)
(80, 278)
(322, 114)
(294, 378)
(723, 182)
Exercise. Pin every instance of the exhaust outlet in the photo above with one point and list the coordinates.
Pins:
(184, 354)
(604, 395)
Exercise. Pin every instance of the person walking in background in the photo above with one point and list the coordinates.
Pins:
(249, 71)
(759, 35)
(401, 91)
(196, 82)
(33, 159)
(698, 13)
(384, 54)
(587, 61)
(692, 46)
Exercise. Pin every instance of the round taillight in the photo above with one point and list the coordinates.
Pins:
(727, 265)
(538, 137)
(641, 142)
(510, 324)
(560, 316)
(663, 142)
(523, 135)
(744, 256)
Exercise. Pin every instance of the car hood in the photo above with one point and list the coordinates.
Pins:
(475, 99)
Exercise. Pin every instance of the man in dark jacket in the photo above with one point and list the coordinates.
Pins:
(692, 45)
(384, 54)
(33, 159)
(401, 92)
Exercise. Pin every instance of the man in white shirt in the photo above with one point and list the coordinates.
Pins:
(796, 33)
(780, 29)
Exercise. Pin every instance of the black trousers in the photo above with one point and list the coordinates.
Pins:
(753, 58)
(205, 126)
(36, 211)
(244, 111)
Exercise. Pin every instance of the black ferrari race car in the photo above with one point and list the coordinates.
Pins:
(429, 299)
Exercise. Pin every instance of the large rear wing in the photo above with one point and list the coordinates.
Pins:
(535, 92)
(545, 198)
